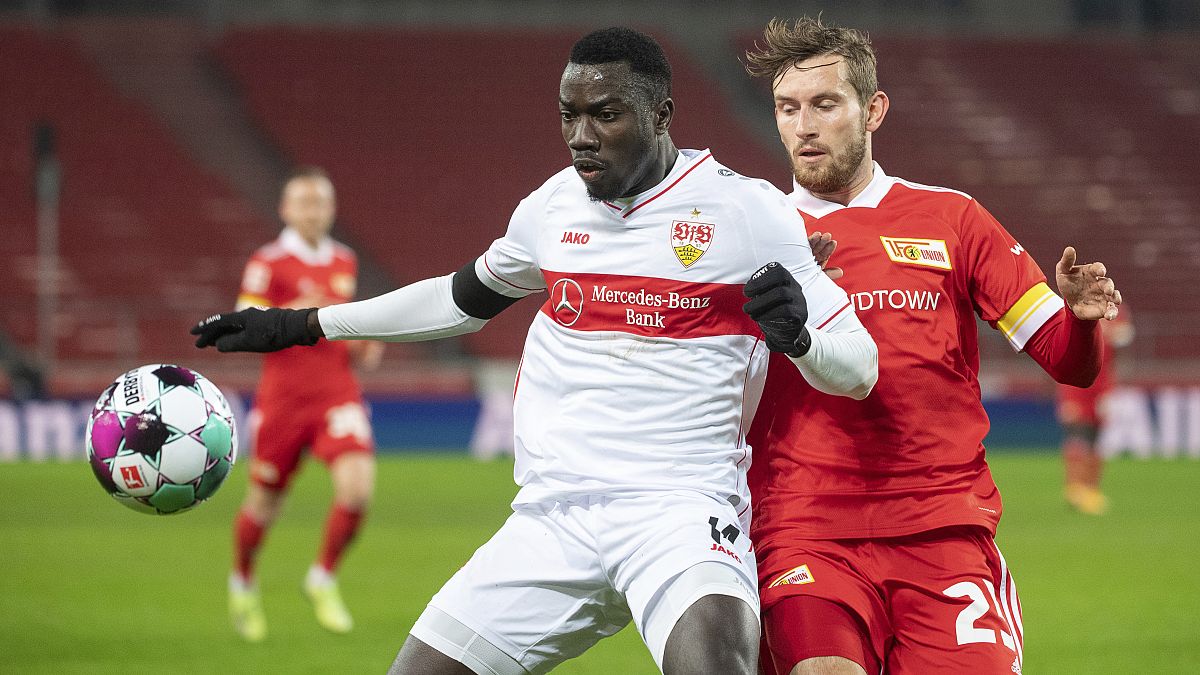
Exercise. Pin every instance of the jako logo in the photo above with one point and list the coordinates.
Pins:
(575, 238)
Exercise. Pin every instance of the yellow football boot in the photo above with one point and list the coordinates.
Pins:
(246, 612)
(327, 604)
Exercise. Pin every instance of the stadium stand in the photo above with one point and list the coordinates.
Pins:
(435, 142)
(148, 242)
(1067, 142)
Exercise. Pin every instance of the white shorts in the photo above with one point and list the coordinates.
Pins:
(557, 579)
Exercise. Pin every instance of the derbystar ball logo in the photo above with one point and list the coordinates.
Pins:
(691, 240)
(567, 301)
(923, 252)
(796, 575)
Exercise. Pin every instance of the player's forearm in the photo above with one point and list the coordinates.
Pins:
(424, 310)
(1069, 349)
(843, 360)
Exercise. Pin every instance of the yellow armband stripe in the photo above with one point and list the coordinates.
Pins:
(1028, 314)
(246, 300)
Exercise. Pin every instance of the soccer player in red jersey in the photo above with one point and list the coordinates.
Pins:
(1081, 414)
(307, 400)
(874, 519)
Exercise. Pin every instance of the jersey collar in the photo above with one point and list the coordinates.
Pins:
(684, 163)
(869, 198)
(294, 244)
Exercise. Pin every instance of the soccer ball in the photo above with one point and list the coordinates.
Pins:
(161, 439)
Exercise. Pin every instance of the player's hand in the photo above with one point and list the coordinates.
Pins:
(823, 245)
(777, 304)
(255, 330)
(366, 354)
(1087, 291)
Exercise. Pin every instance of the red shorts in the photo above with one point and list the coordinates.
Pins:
(937, 602)
(281, 433)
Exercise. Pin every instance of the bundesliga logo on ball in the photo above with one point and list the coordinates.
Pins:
(161, 439)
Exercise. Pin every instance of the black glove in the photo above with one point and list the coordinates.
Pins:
(255, 330)
(777, 304)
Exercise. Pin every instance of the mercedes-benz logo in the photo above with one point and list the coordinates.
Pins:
(566, 299)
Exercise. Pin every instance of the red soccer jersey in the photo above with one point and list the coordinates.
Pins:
(283, 272)
(920, 262)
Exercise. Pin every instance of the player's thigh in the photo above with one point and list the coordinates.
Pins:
(808, 635)
(956, 609)
(535, 593)
(718, 633)
(278, 438)
(819, 600)
(666, 553)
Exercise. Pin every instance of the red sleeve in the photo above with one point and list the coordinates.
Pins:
(1070, 349)
(256, 283)
(1000, 269)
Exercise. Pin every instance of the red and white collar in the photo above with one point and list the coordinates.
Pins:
(296, 245)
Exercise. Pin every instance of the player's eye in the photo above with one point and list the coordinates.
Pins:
(607, 115)
(566, 115)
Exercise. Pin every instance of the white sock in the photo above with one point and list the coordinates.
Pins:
(239, 583)
(319, 576)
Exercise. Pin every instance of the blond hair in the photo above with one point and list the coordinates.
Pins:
(788, 45)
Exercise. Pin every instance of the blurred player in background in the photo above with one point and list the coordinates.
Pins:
(874, 520)
(308, 400)
(1081, 414)
(639, 378)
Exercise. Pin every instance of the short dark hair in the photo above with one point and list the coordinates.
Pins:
(645, 57)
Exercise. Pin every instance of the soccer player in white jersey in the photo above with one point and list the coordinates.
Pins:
(639, 380)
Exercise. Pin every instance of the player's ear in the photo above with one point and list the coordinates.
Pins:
(877, 107)
(663, 114)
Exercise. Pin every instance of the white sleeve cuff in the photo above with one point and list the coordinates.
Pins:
(843, 359)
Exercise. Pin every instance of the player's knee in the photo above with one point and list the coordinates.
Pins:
(353, 500)
(263, 504)
(717, 634)
(352, 494)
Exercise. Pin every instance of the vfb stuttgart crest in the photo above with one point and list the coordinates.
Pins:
(691, 240)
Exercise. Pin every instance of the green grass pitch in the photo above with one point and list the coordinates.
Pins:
(87, 586)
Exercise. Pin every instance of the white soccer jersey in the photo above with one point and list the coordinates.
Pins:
(641, 373)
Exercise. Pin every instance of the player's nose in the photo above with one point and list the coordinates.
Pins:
(805, 125)
(582, 136)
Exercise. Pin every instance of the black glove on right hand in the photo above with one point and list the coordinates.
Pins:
(777, 304)
(255, 330)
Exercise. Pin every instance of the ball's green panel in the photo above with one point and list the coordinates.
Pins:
(134, 504)
(171, 498)
(212, 479)
(217, 436)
